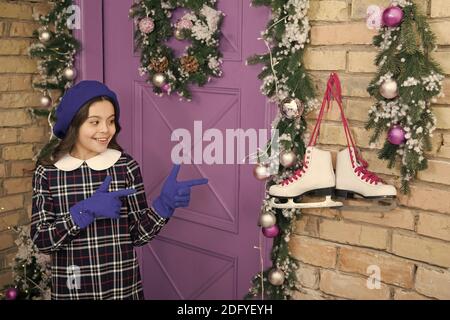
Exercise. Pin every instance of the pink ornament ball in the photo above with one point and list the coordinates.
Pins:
(392, 16)
(374, 17)
(184, 24)
(166, 87)
(146, 25)
(271, 232)
(11, 293)
(396, 135)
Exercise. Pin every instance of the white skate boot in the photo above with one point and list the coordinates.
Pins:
(354, 180)
(316, 177)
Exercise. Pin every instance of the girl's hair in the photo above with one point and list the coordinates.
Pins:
(66, 144)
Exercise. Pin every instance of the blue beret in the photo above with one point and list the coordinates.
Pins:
(75, 98)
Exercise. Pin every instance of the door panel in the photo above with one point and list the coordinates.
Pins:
(207, 250)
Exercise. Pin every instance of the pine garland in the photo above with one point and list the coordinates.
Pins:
(31, 269)
(202, 58)
(55, 57)
(405, 57)
(284, 77)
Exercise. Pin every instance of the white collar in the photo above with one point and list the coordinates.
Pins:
(102, 161)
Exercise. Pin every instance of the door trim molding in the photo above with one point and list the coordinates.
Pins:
(89, 60)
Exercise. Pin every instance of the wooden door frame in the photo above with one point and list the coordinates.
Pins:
(90, 60)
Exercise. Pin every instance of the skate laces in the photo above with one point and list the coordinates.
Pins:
(334, 92)
(360, 168)
(367, 175)
(297, 174)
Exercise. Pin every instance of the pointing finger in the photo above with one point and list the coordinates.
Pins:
(195, 182)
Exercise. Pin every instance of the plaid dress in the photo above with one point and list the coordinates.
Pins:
(98, 262)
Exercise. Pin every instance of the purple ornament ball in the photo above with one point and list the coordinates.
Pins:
(271, 232)
(392, 16)
(11, 293)
(396, 135)
(166, 87)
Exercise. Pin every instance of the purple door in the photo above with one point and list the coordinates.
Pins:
(207, 250)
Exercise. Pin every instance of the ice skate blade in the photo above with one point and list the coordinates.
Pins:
(290, 204)
(381, 205)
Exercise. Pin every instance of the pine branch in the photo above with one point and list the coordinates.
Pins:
(404, 57)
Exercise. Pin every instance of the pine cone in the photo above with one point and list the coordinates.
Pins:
(159, 65)
(189, 64)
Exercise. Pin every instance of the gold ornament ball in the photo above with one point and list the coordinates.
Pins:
(276, 277)
(267, 220)
(288, 158)
(179, 34)
(159, 80)
(389, 89)
(70, 73)
(45, 36)
(291, 108)
(46, 101)
(261, 172)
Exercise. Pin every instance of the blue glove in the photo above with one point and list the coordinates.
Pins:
(174, 194)
(81, 218)
(101, 204)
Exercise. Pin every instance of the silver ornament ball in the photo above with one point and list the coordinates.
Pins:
(288, 158)
(267, 220)
(276, 277)
(46, 101)
(389, 89)
(45, 36)
(159, 80)
(131, 12)
(70, 73)
(291, 108)
(261, 172)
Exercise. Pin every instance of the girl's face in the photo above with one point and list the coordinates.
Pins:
(96, 132)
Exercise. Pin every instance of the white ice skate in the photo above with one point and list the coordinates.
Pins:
(353, 180)
(316, 177)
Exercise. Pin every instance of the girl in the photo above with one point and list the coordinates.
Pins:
(89, 206)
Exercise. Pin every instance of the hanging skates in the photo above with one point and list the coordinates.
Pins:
(317, 177)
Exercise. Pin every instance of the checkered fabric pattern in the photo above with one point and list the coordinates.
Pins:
(98, 262)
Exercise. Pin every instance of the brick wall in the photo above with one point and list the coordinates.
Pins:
(410, 244)
(20, 135)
